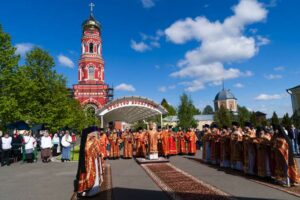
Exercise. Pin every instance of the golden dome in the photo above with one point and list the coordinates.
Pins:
(91, 22)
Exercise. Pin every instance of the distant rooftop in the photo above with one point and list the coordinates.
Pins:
(224, 94)
(293, 88)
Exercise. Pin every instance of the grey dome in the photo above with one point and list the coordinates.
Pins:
(224, 95)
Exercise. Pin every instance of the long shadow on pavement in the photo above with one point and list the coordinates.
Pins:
(131, 194)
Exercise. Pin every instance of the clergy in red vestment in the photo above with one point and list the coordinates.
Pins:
(183, 145)
(172, 142)
(152, 138)
(140, 140)
(215, 144)
(164, 136)
(191, 138)
(90, 166)
(114, 142)
(286, 166)
(103, 143)
(127, 138)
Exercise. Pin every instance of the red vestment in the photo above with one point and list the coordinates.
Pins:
(114, 142)
(165, 142)
(103, 145)
(183, 145)
(141, 141)
(172, 144)
(128, 145)
(92, 155)
(192, 138)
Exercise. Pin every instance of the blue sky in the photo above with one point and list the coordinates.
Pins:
(162, 48)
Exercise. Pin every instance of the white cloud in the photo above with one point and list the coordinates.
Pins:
(125, 87)
(273, 76)
(253, 30)
(148, 42)
(238, 85)
(148, 3)
(162, 89)
(279, 68)
(261, 41)
(166, 88)
(139, 46)
(272, 3)
(219, 43)
(23, 48)
(65, 61)
(266, 97)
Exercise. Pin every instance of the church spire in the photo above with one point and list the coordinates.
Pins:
(223, 88)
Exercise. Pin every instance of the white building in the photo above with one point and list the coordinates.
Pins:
(295, 96)
(200, 119)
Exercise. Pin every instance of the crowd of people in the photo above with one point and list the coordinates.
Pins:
(25, 146)
(267, 152)
(128, 144)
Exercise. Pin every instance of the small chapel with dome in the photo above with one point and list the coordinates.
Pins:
(226, 99)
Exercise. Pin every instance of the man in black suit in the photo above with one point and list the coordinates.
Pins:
(294, 135)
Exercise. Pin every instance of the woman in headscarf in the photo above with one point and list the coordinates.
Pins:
(55, 142)
(90, 166)
(46, 145)
(286, 168)
(30, 145)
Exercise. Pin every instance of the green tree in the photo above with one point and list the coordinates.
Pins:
(296, 119)
(253, 119)
(186, 112)
(35, 92)
(243, 115)
(9, 109)
(171, 110)
(286, 121)
(223, 117)
(208, 110)
(139, 124)
(275, 119)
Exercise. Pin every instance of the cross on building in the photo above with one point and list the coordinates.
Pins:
(92, 6)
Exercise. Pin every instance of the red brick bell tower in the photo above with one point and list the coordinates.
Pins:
(91, 90)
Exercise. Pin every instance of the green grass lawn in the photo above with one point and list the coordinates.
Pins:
(74, 154)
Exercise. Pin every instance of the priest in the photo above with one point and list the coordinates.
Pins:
(152, 137)
(103, 143)
(90, 171)
(114, 142)
(127, 138)
(172, 142)
(192, 139)
(164, 136)
(140, 140)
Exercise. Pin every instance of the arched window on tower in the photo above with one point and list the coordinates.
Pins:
(82, 48)
(98, 49)
(91, 48)
(91, 73)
